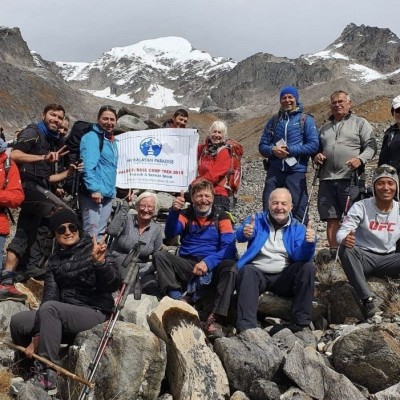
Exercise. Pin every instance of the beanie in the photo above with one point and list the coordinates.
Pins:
(396, 102)
(3, 146)
(65, 215)
(386, 171)
(290, 90)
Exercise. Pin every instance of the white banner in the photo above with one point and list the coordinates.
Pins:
(158, 159)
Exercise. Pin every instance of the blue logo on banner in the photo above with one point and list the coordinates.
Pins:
(150, 147)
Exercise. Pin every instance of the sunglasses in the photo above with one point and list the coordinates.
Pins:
(397, 110)
(63, 228)
(387, 169)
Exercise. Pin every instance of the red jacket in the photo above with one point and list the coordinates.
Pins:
(214, 169)
(10, 196)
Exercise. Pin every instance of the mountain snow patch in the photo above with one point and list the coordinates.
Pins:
(160, 97)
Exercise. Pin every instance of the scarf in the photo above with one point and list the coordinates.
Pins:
(49, 135)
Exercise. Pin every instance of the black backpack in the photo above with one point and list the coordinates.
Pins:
(73, 141)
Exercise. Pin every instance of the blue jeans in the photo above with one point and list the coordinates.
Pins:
(95, 216)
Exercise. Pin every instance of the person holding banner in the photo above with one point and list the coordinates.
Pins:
(99, 172)
(214, 162)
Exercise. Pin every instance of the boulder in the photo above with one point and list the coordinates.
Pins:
(7, 310)
(262, 389)
(249, 356)
(136, 311)
(276, 306)
(133, 363)
(370, 356)
(130, 123)
(391, 393)
(238, 395)
(194, 371)
(343, 303)
(307, 369)
(294, 393)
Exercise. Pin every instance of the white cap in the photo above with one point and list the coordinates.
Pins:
(396, 102)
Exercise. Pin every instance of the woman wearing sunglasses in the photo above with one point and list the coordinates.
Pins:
(77, 295)
(99, 172)
(129, 228)
(390, 150)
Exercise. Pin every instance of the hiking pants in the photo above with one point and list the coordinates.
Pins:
(95, 216)
(175, 272)
(296, 280)
(358, 264)
(295, 182)
(59, 322)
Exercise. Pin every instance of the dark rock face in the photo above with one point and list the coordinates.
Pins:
(13, 49)
(376, 47)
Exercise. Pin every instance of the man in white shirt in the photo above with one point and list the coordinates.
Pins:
(368, 237)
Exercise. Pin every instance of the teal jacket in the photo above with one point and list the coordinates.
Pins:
(99, 168)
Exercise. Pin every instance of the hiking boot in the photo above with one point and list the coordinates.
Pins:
(371, 306)
(279, 327)
(9, 292)
(213, 327)
(44, 378)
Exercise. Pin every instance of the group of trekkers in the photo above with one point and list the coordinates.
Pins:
(84, 268)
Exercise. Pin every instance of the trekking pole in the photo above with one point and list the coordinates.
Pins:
(316, 176)
(130, 262)
(56, 367)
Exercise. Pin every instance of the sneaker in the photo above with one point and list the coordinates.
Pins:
(213, 328)
(371, 306)
(9, 292)
(44, 378)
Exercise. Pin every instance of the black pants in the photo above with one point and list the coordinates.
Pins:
(296, 280)
(174, 272)
(59, 322)
(39, 202)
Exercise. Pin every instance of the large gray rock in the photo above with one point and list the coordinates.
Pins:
(137, 311)
(262, 389)
(130, 123)
(343, 303)
(238, 395)
(370, 356)
(391, 393)
(249, 356)
(294, 394)
(307, 368)
(276, 306)
(133, 362)
(31, 392)
(7, 310)
(194, 371)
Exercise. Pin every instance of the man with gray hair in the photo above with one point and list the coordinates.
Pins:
(279, 259)
(347, 143)
(368, 237)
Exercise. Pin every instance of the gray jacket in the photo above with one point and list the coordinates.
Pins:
(340, 141)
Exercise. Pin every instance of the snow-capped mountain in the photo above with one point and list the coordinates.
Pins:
(364, 61)
(155, 73)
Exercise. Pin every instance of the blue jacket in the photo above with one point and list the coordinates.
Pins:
(206, 241)
(293, 238)
(301, 144)
(99, 169)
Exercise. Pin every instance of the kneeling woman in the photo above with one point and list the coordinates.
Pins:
(77, 296)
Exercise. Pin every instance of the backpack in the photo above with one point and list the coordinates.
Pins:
(275, 120)
(79, 129)
(7, 166)
(233, 177)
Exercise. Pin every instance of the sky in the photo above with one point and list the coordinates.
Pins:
(82, 30)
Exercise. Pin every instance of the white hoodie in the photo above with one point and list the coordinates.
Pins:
(375, 230)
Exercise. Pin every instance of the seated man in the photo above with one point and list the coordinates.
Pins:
(368, 237)
(279, 259)
(207, 252)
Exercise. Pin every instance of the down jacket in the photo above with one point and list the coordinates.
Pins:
(72, 278)
(301, 143)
